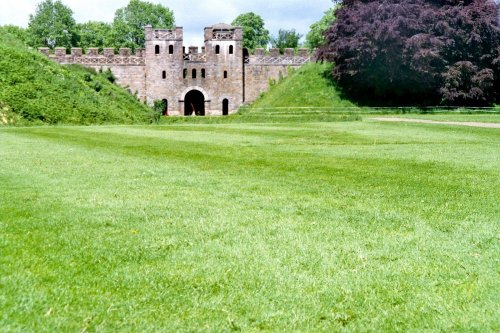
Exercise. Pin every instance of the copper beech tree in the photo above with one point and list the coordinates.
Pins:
(416, 52)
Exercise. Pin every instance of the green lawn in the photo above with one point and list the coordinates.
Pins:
(328, 226)
(475, 117)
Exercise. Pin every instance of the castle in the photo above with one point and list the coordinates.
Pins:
(215, 81)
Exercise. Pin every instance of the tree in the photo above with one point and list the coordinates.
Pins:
(315, 38)
(465, 84)
(19, 33)
(129, 22)
(254, 33)
(416, 51)
(95, 34)
(286, 39)
(52, 25)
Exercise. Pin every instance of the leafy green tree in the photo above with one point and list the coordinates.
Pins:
(254, 33)
(315, 38)
(18, 32)
(286, 39)
(52, 25)
(129, 22)
(95, 34)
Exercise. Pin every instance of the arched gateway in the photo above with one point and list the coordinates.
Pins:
(194, 103)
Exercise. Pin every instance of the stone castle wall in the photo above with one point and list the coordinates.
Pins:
(222, 71)
(262, 68)
(129, 69)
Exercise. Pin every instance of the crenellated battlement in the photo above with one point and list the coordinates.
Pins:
(95, 58)
(152, 34)
(193, 55)
(274, 58)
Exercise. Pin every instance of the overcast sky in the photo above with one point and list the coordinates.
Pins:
(193, 15)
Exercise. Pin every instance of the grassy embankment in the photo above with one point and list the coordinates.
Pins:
(34, 90)
(352, 226)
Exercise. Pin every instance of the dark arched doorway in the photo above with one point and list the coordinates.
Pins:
(194, 103)
(165, 107)
(225, 107)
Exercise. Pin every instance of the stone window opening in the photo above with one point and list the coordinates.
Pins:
(246, 56)
(194, 73)
(171, 49)
(157, 49)
(217, 49)
(225, 74)
(203, 73)
(231, 49)
(184, 73)
(164, 75)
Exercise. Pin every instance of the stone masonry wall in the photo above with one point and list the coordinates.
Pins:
(129, 69)
(263, 68)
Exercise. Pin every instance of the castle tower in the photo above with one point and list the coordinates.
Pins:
(224, 53)
(163, 58)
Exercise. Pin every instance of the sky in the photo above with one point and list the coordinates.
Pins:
(192, 15)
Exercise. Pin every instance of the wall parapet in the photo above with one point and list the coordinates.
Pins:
(152, 34)
(93, 58)
(274, 58)
(194, 56)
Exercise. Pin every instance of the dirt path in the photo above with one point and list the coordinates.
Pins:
(426, 121)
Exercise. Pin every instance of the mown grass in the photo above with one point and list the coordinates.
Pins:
(477, 117)
(332, 226)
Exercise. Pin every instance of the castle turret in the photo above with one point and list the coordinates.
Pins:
(164, 55)
(224, 51)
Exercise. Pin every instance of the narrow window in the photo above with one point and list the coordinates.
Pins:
(164, 75)
(183, 50)
(203, 73)
(231, 49)
(246, 56)
(225, 74)
(185, 73)
(217, 49)
(157, 49)
(171, 49)
(194, 73)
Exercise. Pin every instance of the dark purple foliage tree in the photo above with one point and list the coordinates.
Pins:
(418, 52)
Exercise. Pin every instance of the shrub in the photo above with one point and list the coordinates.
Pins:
(108, 74)
(7, 117)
